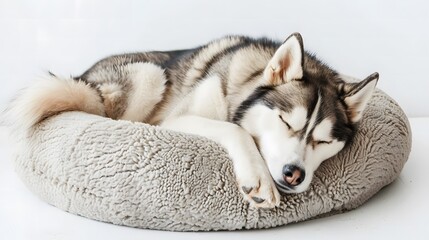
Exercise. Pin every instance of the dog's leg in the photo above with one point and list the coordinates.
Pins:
(253, 177)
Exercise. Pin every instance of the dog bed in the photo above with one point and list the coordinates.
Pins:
(142, 176)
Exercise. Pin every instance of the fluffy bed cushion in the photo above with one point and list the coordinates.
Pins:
(142, 176)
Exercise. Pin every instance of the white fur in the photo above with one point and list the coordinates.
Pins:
(296, 118)
(48, 96)
(322, 132)
(111, 91)
(276, 143)
(279, 146)
(206, 100)
(148, 85)
(209, 101)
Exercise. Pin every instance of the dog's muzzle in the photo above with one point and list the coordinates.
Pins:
(292, 177)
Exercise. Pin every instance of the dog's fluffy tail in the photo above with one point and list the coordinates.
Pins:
(49, 96)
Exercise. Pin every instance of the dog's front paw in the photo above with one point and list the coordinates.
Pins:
(259, 190)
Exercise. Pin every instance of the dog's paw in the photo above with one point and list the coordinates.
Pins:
(259, 190)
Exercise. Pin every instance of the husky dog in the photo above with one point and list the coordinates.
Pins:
(278, 110)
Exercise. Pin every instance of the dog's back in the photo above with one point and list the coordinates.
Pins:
(146, 86)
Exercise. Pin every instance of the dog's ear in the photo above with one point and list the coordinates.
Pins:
(287, 62)
(357, 95)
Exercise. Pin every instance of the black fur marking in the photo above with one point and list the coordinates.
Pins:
(221, 54)
(253, 75)
(301, 44)
(356, 87)
(245, 42)
(266, 43)
(256, 96)
(344, 131)
(246, 190)
(175, 57)
(258, 200)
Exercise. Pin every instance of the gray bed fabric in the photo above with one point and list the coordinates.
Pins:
(142, 176)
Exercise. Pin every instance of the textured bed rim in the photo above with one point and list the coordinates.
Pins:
(142, 176)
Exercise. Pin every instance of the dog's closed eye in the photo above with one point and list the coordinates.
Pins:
(287, 124)
(319, 142)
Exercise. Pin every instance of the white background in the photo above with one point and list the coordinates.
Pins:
(356, 38)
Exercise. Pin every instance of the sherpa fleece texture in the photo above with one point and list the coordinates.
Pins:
(142, 176)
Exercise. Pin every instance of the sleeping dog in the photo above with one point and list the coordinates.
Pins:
(278, 110)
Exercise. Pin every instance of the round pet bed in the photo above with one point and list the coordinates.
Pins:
(143, 176)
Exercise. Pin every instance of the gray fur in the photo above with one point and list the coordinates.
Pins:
(178, 65)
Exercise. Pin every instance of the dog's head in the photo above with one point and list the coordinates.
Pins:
(304, 114)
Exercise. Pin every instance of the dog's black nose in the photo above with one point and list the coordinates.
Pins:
(293, 175)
